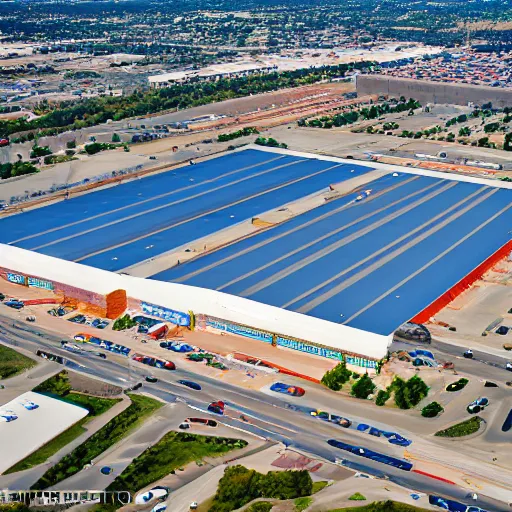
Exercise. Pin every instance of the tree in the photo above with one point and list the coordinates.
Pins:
(382, 397)
(409, 393)
(507, 145)
(363, 387)
(335, 378)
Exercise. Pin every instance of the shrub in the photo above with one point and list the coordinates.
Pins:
(409, 393)
(335, 378)
(71, 144)
(38, 151)
(491, 127)
(240, 485)
(116, 138)
(382, 397)
(462, 429)
(357, 497)
(432, 410)
(261, 506)
(363, 387)
(124, 322)
(457, 385)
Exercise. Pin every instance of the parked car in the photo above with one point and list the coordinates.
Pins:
(184, 426)
(78, 319)
(202, 421)
(477, 405)
(98, 323)
(14, 303)
(190, 384)
(280, 387)
(326, 416)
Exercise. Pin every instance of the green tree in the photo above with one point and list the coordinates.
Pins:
(382, 397)
(363, 387)
(409, 393)
(335, 378)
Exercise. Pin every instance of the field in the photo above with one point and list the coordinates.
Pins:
(174, 450)
(12, 363)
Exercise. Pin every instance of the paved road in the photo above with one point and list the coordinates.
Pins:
(267, 415)
(483, 365)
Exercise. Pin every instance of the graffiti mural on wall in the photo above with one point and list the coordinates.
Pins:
(204, 321)
(33, 282)
(169, 315)
(310, 349)
(16, 279)
(39, 283)
(241, 330)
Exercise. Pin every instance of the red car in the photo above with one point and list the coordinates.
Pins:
(217, 407)
(4, 142)
(202, 421)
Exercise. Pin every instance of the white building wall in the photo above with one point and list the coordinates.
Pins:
(199, 300)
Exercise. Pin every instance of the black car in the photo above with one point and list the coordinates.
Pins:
(190, 384)
(136, 386)
(150, 378)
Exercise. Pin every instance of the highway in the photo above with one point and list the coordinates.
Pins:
(270, 416)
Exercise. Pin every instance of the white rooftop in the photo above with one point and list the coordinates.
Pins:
(32, 428)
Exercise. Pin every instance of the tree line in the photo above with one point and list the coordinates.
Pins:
(69, 115)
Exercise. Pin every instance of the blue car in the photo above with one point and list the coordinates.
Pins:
(190, 384)
(14, 303)
(98, 323)
(279, 387)
(78, 319)
(8, 416)
(29, 405)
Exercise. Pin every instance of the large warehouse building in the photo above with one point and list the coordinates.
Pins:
(370, 247)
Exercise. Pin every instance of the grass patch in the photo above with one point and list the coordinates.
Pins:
(382, 506)
(115, 430)
(12, 363)
(302, 503)
(318, 486)
(260, 506)
(357, 497)
(205, 505)
(95, 405)
(174, 450)
(465, 428)
(240, 486)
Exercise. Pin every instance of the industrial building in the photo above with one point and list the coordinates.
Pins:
(380, 245)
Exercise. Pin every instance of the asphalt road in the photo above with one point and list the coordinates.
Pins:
(269, 415)
(483, 365)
